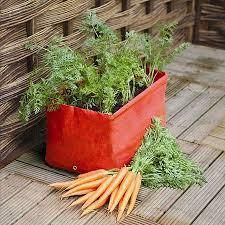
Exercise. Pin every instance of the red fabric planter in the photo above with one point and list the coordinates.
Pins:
(91, 140)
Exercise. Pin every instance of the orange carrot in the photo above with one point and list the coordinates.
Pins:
(82, 199)
(92, 184)
(126, 197)
(81, 192)
(115, 183)
(101, 189)
(122, 189)
(61, 185)
(119, 209)
(95, 205)
(90, 178)
(135, 193)
(112, 197)
(91, 173)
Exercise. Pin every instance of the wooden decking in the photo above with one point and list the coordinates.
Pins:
(196, 116)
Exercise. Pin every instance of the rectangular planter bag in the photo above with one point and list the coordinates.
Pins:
(90, 140)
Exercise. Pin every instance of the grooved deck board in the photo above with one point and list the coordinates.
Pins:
(11, 185)
(190, 114)
(174, 86)
(72, 217)
(201, 128)
(102, 217)
(22, 202)
(214, 213)
(159, 201)
(195, 199)
(4, 174)
(182, 99)
(35, 173)
(219, 132)
(187, 147)
(52, 206)
(214, 142)
(222, 124)
(35, 159)
(137, 220)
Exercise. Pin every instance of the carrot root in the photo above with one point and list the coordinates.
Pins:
(124, 201)
(89, 185)
(61, 185)
(101, 189)
(81, 199)
(135, 193)
(122, 189)
(112, 197)
(87, 179)
(85, 212)
(91, 173)
(115, 183)
(81, 192)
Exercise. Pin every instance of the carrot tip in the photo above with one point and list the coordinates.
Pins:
(119, 217)
(128, 213)
(86, 212)
(70, 206)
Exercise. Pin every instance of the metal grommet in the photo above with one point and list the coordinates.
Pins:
(75, 168)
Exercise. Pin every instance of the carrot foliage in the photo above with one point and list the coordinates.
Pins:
(105, 84)
(162, 163)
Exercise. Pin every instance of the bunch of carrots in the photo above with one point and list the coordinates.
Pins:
(118, 187)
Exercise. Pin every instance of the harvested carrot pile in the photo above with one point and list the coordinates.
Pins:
(159, 162)
(98, 187)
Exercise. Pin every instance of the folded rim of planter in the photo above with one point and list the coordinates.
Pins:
(158, 81)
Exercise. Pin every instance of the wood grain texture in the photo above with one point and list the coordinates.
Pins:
(201, 65)
(195, 199)
(214, 142)
(35, 158)
(190, 114)
(184, 97)
(72, 216)
(211, 28)
(206, 123)
(11, 185)
(219, 132)
(197, 51)
(22, 202)
(214, 213)
(187, 147)
(3, 174)
(174, 86)
(222, 124)
(35, 173)
(44, 212)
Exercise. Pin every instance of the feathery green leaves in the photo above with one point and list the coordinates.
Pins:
(162, 163)
(116, 76)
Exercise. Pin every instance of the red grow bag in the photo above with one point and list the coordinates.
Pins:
(91, 140)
